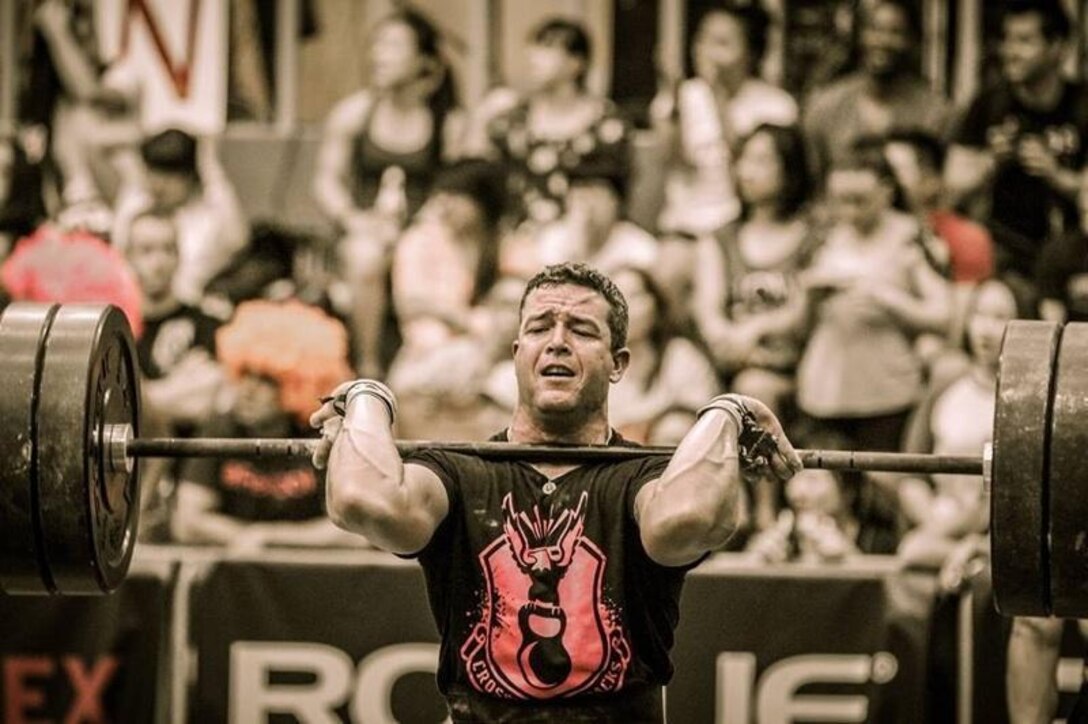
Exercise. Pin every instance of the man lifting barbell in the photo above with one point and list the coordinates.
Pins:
(555, 587)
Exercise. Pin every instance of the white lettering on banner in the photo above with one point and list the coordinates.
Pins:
(777, 700)
(253, 697)
(377, 675)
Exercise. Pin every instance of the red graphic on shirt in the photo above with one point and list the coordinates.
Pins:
(545, 630)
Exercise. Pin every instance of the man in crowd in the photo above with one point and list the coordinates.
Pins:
(1024, 140)
(555, 587)
(181, 379)
(884, 94)
(186, 182)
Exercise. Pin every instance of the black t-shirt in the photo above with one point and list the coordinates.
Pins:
(262, 489)
(1062, 274)
(1025, 209)
(167, 339)
(548, 606)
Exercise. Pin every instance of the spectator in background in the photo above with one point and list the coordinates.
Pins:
(178, 345)
(181, 381)
(281, 358)
(707, 115)
(748, 302)
(917, 158)
(554, 132)
(870, 291)
(1022, 143)
(593, 229)
(883, 94)
(185, 181)
(955, 417)
(1062, 272)
(668, 374)
(71, 112)
(380, 151)
(444, 267)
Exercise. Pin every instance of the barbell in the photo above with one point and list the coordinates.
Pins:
(70, 446)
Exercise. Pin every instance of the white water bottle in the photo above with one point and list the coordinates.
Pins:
(392, 200)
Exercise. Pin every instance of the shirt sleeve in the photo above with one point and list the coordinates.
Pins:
(445, 467)
(646, 470)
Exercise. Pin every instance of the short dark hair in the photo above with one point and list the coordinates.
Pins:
(583, 275)
(789, 145)
(755, 21)
(1052, 16)
(570, 36)
(172, 150)
(930, 149)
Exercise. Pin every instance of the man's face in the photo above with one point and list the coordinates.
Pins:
(1026, 53)
(563, 356)
(885, 40)
(153, 255)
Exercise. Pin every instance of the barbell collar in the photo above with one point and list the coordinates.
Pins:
(304, 447)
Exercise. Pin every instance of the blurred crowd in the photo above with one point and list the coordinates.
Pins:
(849, 257)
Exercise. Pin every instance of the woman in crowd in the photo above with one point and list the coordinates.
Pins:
(444, 268)
(748, 301)
(381, 149)
(668, 374)
(871, 292)
(705, 117)
(281, 357)
(555, 130)
(956, 418)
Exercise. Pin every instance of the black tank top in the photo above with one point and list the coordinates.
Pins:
(369, 161)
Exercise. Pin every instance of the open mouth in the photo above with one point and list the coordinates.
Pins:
(556, 371)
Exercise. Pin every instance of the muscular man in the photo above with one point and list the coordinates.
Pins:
(555, 588)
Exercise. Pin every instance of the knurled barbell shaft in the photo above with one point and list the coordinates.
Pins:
(303, 447)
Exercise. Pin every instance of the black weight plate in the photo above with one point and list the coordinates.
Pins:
(1069, 477)
(23, 328)
(1018, 495)
(89, 514)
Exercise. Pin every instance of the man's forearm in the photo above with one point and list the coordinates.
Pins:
(693, 507)
(365, 480)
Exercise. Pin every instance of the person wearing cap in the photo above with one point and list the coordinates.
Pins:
(185, 180)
